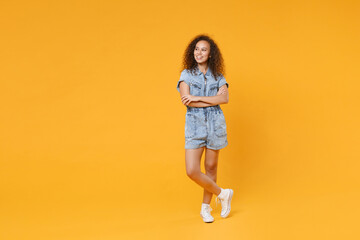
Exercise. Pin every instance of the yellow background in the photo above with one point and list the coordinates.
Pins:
(92, 127)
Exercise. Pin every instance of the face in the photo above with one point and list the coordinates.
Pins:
(202, 51)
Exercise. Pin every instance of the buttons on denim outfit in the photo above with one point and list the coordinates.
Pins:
(204, 126)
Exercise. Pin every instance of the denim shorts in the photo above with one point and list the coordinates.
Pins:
(205, 127)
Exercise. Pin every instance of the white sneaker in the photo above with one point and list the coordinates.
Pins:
(225, 198)
(205, 213)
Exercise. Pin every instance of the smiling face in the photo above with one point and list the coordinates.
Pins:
(202, 51)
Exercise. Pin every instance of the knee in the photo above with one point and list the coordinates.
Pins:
(211, 168)
(192, 173)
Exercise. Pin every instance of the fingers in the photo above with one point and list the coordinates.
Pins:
(185, 99)
(221, 91)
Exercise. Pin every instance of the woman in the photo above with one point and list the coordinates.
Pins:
(203, 88)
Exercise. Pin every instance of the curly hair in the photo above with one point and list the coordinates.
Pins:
(215, 63)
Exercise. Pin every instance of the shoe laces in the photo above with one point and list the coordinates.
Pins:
(206, 211)
(216, 201)
(220, 200)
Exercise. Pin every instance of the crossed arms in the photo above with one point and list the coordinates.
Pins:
(222, 97)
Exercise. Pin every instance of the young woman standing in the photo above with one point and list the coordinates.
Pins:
(203, 88)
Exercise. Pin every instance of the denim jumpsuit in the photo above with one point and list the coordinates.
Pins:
(204, 126)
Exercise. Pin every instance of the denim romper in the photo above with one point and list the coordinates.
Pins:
(204, 126)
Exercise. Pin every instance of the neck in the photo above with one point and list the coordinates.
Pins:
(203, 67)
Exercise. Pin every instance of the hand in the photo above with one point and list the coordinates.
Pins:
(187, 99)
(221, 91)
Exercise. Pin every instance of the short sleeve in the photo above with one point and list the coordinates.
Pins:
(222, 81)
(183, 77)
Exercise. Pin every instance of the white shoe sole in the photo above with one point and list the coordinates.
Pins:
(207, 221)
(229, 204)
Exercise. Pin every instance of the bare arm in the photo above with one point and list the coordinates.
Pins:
(185, 90)
(218, 99)
(200, 104)
(202, 101)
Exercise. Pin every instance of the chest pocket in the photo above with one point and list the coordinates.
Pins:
(213, 89)
(196, 88)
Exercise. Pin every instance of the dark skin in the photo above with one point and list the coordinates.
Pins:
(193, 156)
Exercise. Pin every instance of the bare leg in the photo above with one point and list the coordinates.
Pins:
(193, 170)
(211, 163)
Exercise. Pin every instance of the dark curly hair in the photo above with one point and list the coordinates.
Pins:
(215, 63)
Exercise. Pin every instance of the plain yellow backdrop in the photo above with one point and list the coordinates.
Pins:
(92, 127)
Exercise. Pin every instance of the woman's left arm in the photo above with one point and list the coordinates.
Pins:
(221, 97)
(215, 100)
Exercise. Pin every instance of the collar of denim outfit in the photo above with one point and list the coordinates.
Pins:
(208, 72)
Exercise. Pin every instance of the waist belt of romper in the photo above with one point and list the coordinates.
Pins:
(215, 108)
